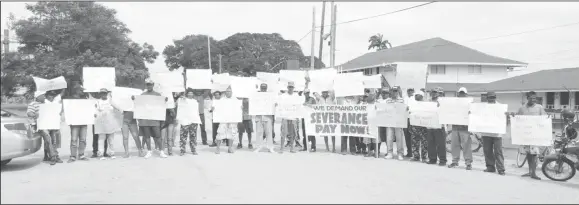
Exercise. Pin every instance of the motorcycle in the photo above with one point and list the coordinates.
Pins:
(560, 162)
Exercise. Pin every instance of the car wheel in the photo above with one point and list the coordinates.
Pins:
(5, 162)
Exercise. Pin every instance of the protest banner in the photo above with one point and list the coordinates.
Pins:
(424, 114)
(243, 87)
(227, 111)
(488, 118)
(96, 78)
(79, 111)
(296, 76)
(390, 115)
(169, 81)
(322, 79)
(454, 110)
(531, 130)
(373, 81)
(121, 97)
(198, 78)
(49, 116)
(271, 79)
(150, 107)
(411, 75)
(262, 103)
(349, 84)
(188, 112)
(338, 120)
(45, 85)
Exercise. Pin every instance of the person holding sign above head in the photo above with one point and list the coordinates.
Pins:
(151, 128)
(32, 112)
(383, 96)
(419, 133)
(188, 129)
(53, 97)
(226, 131)
(532, 108)
(460, 139)
(437, 136)
(493, 146)
(393, 132)
(105, 123)
(407, 135)
(264, 126)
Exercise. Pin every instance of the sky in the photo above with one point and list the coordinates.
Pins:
(467, 23)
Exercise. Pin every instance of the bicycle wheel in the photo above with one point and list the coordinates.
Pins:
(476, 143)
(558, 169)
(521, 157)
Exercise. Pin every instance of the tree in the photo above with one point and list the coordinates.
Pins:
(377, 42)
(61, 38)
(242, 53)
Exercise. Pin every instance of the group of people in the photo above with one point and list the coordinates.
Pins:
(427, 145)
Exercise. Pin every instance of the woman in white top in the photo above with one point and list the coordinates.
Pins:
(227, 131)
(106, 123)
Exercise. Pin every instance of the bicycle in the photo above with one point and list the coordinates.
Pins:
(476, 143)
(522, 155)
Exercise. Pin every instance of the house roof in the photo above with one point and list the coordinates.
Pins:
(434, 50)
(544, 80)
(453, 87)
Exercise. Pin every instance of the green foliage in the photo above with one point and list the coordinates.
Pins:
(377, 42)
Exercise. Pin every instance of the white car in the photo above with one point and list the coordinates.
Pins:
(18, 139)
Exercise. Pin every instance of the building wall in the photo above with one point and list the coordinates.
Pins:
(460, 74)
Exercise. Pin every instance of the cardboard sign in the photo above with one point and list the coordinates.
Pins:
(271, 79)
(121, 97)
(262, 103)
(79, 111)
(243, 87)
(488, 118)
(338, 120)
(454, 110)
(349, 84)
(170, 81)
(322, 79)
(198, 78)
(411, 75)
(97, 78)
(531, 130)
(296, 76)
(150, 107)
(188, 112)
(424, 114)
(373, 81)
(391, 115)
(45, 85)
(49, 116)
(227, 111)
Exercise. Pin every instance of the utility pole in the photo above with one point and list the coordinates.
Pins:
(313, 56)
(220, 63)
(6, 41)
(333, 37)
(322, 30)
(209, 51)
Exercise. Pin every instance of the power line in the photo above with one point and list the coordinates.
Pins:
(525, 32)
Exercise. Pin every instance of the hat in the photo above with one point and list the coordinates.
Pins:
(438, 90)
(306, 90)
(419, 93)
(491, 94)
(149, 81)
(395, 88)
(385, 90)
(38, 93)
(291, 84)
(409, 89)
(462, 89)
(104, 90)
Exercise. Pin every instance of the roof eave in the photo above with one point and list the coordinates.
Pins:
(440, 63)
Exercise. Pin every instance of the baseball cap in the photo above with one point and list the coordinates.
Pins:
(306, 90)
(419, 93)
(462, 89)
(104, 90)
(149, 81)
(491, 94)
(395, 89)
(291, 84)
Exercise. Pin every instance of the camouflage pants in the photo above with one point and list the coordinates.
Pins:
(419, 144)
(188, 131)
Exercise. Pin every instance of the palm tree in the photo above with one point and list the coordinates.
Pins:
(377, 42)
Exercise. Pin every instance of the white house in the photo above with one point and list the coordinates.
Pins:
(451, 65)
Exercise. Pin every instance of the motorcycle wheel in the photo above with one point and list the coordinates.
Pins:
(552, 167)
(521, 157)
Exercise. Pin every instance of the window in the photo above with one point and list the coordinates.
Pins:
(550, 99)
(577, 100)
(438, 69)
(474, 69)
(564, 98)
(368, 71)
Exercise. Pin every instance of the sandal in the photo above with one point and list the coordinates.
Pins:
(71, 160)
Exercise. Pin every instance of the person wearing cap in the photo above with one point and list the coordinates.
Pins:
(226, 131)
(95, 137)
(532, 108)
(407, 135)
(77, 132)
(151, 128)
(53, 97)
(264, 126)
(310, 101)
(419, 133)
(32, 112)
(327, 98)
(394, 133)
(493, 146)
(460, 140)
(436, 137)
(289, 127)
(106, 124)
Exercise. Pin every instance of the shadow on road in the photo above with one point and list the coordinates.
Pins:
(21, 164)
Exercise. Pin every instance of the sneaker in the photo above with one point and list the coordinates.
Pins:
(83, 158)
(489, 170)
(239, 146)
(313, 150)
(58, 160)
(181, 153)
(502, 173)
(389, 156)
(400, 157)
(162, 154)
(453, 165)
(442, 164)
(71, 160)
(148, 154)
(94, 155)
(250, 146)
(468, 167)
(271, 150)
(113, 157)
(431, 162)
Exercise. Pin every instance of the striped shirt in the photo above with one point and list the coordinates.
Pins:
(33, 108)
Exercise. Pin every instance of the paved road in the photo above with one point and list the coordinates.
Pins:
(246, 177)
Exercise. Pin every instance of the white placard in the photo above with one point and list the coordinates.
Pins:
(227, 111)
(121, 97)
(222, 78)
(322, 79)
(390, 115)
(198, 78)
(488, 118)
(188, 112)
(97, 78)
(271, 79)
(45, 85)
(150, 107)
(169, 81)
(531, 130)
(373, 81)
(79, 111)
(424, 114)
(262, 103)
(454, 110)
(243, 87)
(296, 76)
(411, 75)
(49, 116)
(349, 84)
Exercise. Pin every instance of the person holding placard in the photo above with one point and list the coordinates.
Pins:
(168, 126)
(289, 128)
(382, 97)
(227, 131)
(327, 98)
(436, 137)
(532, 108)
(310, 101)
(349, 100)
(369, 98)
(264, 126)
(407, 135)
(32, 112)
(151, 128)
(77, 132)
(105, 123)
(394, 132)
(245, 126)
(53, 97)
(493, 146)
(214, 126)
(95, 136)
(460, 139)
(419, 133)
(188, 128)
